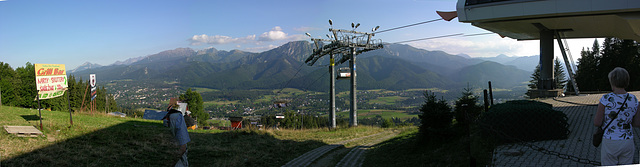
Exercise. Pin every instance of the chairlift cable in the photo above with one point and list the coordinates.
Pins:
(294, 75)
(415, 24)
(413, 40)
(325, 73)
(443, 36)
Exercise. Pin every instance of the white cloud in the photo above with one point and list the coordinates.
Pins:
(273, 35)
(481, 48)
(493, 46)
(261, 48)
(219, 39)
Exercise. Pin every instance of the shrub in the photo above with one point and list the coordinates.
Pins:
(388, 123)
(524, 120)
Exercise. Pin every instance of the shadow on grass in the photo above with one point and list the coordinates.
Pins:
(31, 117)
(136, 143)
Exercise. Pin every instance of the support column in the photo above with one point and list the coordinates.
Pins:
(546, 61)
(353, 114)
(332, 93)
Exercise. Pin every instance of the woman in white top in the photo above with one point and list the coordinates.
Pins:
(617, 141)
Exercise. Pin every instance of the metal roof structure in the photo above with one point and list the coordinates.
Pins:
(523, 19)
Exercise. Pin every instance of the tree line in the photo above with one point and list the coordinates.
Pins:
(18, 89)
(596, 63)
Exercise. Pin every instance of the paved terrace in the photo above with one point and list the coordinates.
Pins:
(580, 111)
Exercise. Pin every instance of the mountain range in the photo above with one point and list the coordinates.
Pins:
(394, 67)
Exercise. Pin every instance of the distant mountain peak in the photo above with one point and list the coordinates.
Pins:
(207, 51)
(502, 56)
(86, 66)
(464, 55)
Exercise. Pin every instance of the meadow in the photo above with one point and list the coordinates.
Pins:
(96, 139)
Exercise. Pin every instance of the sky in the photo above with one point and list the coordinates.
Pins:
(103, 32)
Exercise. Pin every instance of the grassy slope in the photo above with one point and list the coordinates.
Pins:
(405, 150)
(100, 140)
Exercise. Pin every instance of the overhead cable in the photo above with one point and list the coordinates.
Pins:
(424, 22)
(294, 75)
(311, 84)
(443, 36)
(451, 35)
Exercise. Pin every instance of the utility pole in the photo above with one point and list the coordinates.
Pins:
(347, 43)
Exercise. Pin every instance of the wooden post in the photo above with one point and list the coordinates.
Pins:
(486, 101)
(490, 93)
(84, 97)
(40, 112)
(69, 102)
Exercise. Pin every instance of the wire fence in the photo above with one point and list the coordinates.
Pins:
(575, 150)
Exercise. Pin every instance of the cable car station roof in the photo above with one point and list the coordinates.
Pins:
(523, 19)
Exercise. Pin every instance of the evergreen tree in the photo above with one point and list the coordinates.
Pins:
(533, 83)
(27, 87)
(559, 74)
(595, 65)
(436, 114)
(466, 107)
(8, 83)
(588, 68)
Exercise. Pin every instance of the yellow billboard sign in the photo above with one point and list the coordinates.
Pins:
(51, 80)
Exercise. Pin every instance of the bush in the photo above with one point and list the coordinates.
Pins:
(524, 120)
(388, 123)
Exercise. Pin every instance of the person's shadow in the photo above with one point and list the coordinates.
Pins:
(31, 117)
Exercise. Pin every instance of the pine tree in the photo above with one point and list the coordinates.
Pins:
(559, 74)
(588, 68)
(436, 114)
(466, 107)
(533, 83)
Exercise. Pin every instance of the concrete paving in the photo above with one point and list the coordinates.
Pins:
(576, 150)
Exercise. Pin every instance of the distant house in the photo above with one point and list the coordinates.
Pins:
(118, 114)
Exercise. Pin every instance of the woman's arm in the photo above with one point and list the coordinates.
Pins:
(636, 119)
(597, 121)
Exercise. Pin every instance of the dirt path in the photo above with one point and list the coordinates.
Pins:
(354, 157)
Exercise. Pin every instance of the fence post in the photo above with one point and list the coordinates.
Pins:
(486, 101)
(490, 93)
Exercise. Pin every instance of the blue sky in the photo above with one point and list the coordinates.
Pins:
(73, 32)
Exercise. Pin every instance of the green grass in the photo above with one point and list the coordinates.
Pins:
(224, 123)
(430, 89)
(386, 114)
(202, 90)
(388, 100)
(91, 136)
(101, 140)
